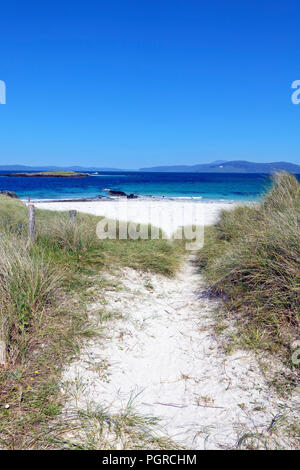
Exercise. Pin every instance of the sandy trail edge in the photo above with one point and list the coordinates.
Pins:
(163, 353)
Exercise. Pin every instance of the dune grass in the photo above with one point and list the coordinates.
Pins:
(44, 290)
(252, 259)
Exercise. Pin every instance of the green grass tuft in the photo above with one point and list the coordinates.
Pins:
(252, 259)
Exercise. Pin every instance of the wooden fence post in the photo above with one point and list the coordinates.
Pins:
(31, 221)
(73, 216)
(3, 356)
(2, 353)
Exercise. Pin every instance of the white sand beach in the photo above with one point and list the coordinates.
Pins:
(166, 214)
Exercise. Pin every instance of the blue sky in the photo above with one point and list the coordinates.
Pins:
(131, 84)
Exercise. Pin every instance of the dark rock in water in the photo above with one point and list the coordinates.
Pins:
(9, 194)
(112, 192)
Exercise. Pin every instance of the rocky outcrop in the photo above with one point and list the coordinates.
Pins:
(8, 194)
(113, 192)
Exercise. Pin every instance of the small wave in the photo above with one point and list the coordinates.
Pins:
(106, 176)
(186, 197)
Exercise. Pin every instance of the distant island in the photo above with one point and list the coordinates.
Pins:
(222, 166)
(24, 168)
(47, 174)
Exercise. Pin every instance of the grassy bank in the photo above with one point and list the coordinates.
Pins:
(44, 290)
(252, 259)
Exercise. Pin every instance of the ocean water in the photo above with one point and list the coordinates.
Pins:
(206, 186)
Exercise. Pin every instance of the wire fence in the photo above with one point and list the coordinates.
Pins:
(9, 226)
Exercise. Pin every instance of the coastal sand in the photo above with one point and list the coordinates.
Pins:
(166, 214)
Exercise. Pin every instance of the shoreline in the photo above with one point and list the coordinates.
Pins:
(195, 199)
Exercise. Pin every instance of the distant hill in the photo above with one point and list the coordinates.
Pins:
(221, 166)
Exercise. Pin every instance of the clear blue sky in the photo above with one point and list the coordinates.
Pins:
(149, 82)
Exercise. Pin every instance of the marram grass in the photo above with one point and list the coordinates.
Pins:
(252, 259)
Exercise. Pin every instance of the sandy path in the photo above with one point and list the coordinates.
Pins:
(163, 353)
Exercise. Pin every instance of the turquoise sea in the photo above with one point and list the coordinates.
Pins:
(206, 186)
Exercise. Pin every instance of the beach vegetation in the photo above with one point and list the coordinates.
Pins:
(251, 259)
(45, 288)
